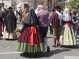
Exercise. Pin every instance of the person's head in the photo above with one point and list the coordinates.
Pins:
(40, 7)
(26, 10)
(57, 8)
(10, 8)
(53, 9)
(73, 9)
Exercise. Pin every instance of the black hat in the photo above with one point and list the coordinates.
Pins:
(57, 7)
(10, 8)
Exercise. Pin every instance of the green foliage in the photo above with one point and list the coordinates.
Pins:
(77, 6)
(74, 3)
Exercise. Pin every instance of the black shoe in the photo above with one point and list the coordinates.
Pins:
(58, 44)
(54, 45)
(1, 34)
(48, 49)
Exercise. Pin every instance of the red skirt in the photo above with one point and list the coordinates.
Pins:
(30, 41)
(25, 37)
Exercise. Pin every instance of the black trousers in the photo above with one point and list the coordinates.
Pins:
(43, 32)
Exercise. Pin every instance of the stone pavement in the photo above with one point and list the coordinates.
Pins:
(8, 51)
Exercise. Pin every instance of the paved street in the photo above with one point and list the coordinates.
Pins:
(8, 51)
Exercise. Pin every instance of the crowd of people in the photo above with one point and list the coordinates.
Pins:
(35, 23)
(7, 23)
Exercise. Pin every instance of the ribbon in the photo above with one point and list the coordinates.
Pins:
(69, 24)
(33, 33)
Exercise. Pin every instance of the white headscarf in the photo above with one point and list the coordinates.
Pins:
(66, 15)
(60, 16)
(38, 8)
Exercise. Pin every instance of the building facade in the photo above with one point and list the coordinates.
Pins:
(20, 3)
(25, 3)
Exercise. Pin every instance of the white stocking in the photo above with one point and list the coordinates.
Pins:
(46, 42)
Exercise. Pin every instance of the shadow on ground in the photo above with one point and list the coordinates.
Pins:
(77, 38)
(11, 39)
(44, 54)
(77, 45)
(77, 42)
(49, 37)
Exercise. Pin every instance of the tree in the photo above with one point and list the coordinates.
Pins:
(77, 6)
(74, 3)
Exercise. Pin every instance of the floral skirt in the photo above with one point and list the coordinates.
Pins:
(67, 37)
(24, 42)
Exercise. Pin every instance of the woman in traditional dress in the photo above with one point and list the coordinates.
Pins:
(10, 25)
(67, 37)
(30, 40)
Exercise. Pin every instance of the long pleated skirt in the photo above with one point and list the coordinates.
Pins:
(67, 37)
(25, 44)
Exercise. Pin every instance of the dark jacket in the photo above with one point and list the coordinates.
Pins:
(55, 20)
(10, 22)
(1, 15)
